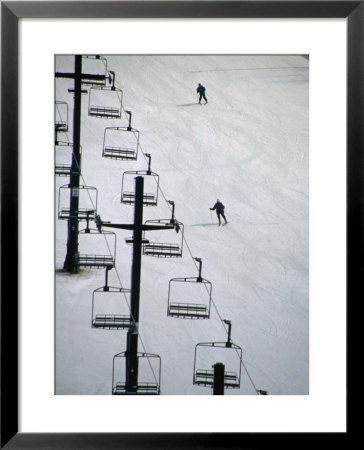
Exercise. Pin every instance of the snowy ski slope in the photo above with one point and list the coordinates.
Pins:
(248, 147)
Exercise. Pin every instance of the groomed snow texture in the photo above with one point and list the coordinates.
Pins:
(248, 147)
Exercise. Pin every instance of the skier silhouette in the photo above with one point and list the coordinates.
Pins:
(201, 91)
(219, 207)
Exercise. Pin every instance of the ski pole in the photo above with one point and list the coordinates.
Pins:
(211, 216)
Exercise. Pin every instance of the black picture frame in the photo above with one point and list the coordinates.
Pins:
(11, 13)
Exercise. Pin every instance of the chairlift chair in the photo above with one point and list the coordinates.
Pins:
(196, 293)
(208, 353)
(97, 240)
(96, 66)
(110, 307)
(105, 102)
(61, 116)
(165, 250)
(121, 142)
(64, 155)
(87, 202)
(149, 372)
(151, 186)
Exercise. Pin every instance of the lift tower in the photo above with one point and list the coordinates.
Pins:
(131, 382)
(70, 263)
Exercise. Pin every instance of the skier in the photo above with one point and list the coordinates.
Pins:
(201, 91)
(219, 210)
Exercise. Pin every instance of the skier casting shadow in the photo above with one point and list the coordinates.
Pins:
(219, 207)
(201, 91)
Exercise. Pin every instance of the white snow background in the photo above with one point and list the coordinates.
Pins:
(248, 147)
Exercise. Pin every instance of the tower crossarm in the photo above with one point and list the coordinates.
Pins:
(130, 226)
(71, 75)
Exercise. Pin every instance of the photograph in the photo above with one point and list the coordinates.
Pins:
(181, 207)
(181, 220)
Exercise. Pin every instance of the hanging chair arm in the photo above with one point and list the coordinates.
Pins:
(111, 78)
(149, 156)
(129, 126)
(228, 323)
(199, 260)
(106, 287)
(173, 220)
(171, 202)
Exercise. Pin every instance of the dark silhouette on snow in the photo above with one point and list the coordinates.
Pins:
(219, 207)
(201, 91)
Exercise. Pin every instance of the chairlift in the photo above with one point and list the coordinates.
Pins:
(151, 186)
(61, 116)
(121, 142)
(110, 307)
(105, 101)
(96, 66)
(147, 363)
(64, 155)
(87, 202)
(194, 291)
(165, 250)
(208, 353)
(96, 239)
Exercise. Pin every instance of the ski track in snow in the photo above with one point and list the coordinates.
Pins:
(249, 147)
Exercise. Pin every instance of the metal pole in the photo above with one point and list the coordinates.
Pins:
(132, 336)
(72, 241)
(219, 371)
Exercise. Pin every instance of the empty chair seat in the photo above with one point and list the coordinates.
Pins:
(87, 206)
(111, 321)
(206, 378)
(227, 353)
(150, 188)
(142, 389)
(195, 288)
(162, 250)
(103, 111)
(94, 69)
(95, 261)
(110, 308)
(148, 198)
(121, 142)
(105, 102)
(119, 153)
(188, 310)
(148, 380)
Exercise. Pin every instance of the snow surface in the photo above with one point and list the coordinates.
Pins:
(248, 147)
